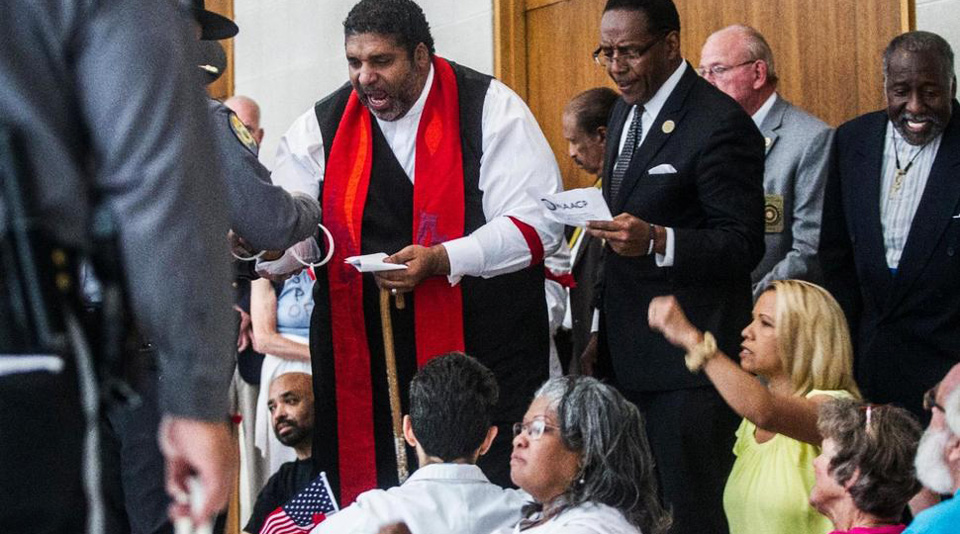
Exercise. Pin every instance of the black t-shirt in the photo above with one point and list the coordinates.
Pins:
(282, 486)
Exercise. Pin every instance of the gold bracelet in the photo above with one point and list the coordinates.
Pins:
(701, 352)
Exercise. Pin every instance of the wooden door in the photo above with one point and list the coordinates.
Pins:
(222, 89)
(828, 52)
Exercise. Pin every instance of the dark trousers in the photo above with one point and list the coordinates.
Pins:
(691, 433)
(136, 500)
(133, 471)
(41, 448)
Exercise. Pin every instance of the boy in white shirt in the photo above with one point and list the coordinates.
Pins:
(451, 400)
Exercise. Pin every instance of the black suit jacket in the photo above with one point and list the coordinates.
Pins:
(585, 270)
(714, 202)
(907, 326)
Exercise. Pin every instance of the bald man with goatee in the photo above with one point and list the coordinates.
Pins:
(291, 415)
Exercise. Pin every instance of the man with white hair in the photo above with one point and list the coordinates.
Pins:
(938, 457)
(738, 61)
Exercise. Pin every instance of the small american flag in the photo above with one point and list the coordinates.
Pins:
(304, 511)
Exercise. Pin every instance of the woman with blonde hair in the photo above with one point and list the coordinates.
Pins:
(799, 344)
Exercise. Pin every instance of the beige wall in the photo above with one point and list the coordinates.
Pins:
(941, 17)
(289, 53)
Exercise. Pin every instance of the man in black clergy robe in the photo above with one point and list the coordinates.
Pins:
(430, 162)
(685, 182)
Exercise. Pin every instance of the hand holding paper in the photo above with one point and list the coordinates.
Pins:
(421, 262)
(373, 263)
(576, 206)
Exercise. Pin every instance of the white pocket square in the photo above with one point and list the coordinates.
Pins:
(664, 168)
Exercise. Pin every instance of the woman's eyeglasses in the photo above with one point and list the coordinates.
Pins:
(534, 429)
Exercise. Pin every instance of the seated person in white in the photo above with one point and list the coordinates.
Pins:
(581, 452)
(451, 400)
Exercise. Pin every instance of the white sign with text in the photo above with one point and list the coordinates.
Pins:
(576, 206)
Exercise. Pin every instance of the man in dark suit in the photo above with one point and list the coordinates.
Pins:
(686, 180)
(585, 120)
(892, 225)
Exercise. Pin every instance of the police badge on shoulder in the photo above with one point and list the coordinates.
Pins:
(243, 134)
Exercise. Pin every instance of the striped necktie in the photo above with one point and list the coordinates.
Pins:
(634, 133)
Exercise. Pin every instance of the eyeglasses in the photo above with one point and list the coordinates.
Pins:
(930, 399)
(606, 55)
(534, 429)
(718, 71)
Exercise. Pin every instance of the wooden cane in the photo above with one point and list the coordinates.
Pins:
(393, 386)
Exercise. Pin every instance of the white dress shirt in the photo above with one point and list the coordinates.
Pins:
(589, 518)
(436, 499)
(764, 110)
(650, 111)
(897, 208)
(516, 159)
(558, 300)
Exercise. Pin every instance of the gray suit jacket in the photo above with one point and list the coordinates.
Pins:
(795, 169)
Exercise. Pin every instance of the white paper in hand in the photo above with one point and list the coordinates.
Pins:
(372, 263)
(576, 206)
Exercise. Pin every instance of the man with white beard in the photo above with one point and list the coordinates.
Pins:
(938, 457)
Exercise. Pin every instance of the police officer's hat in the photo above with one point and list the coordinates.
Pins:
(214, 26)
(213, 60)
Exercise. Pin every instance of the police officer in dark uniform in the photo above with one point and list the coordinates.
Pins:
(100, 101)
(263, 217)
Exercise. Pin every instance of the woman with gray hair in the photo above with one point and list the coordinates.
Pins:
(865, 474)
(581, 452)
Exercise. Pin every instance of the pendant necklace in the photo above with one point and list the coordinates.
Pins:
(902, 172)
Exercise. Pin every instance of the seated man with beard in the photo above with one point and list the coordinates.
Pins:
(938, 457)
(291, 413)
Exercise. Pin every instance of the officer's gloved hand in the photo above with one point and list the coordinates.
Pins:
(293, 260)
(239, 247)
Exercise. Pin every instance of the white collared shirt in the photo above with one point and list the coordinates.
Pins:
(897, 208)
(764, 110)
(650, 111)
(516, 159)
(436, 499)
(653, 106)
(588, 518)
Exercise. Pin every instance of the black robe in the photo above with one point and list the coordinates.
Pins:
(505, 317)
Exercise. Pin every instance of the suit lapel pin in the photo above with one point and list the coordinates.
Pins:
(767, 142)
(668, 126)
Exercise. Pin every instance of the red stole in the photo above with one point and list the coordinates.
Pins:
(438, 216)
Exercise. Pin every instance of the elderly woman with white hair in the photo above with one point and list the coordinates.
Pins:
(799, 344)
(865, 475)
(581, 452)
